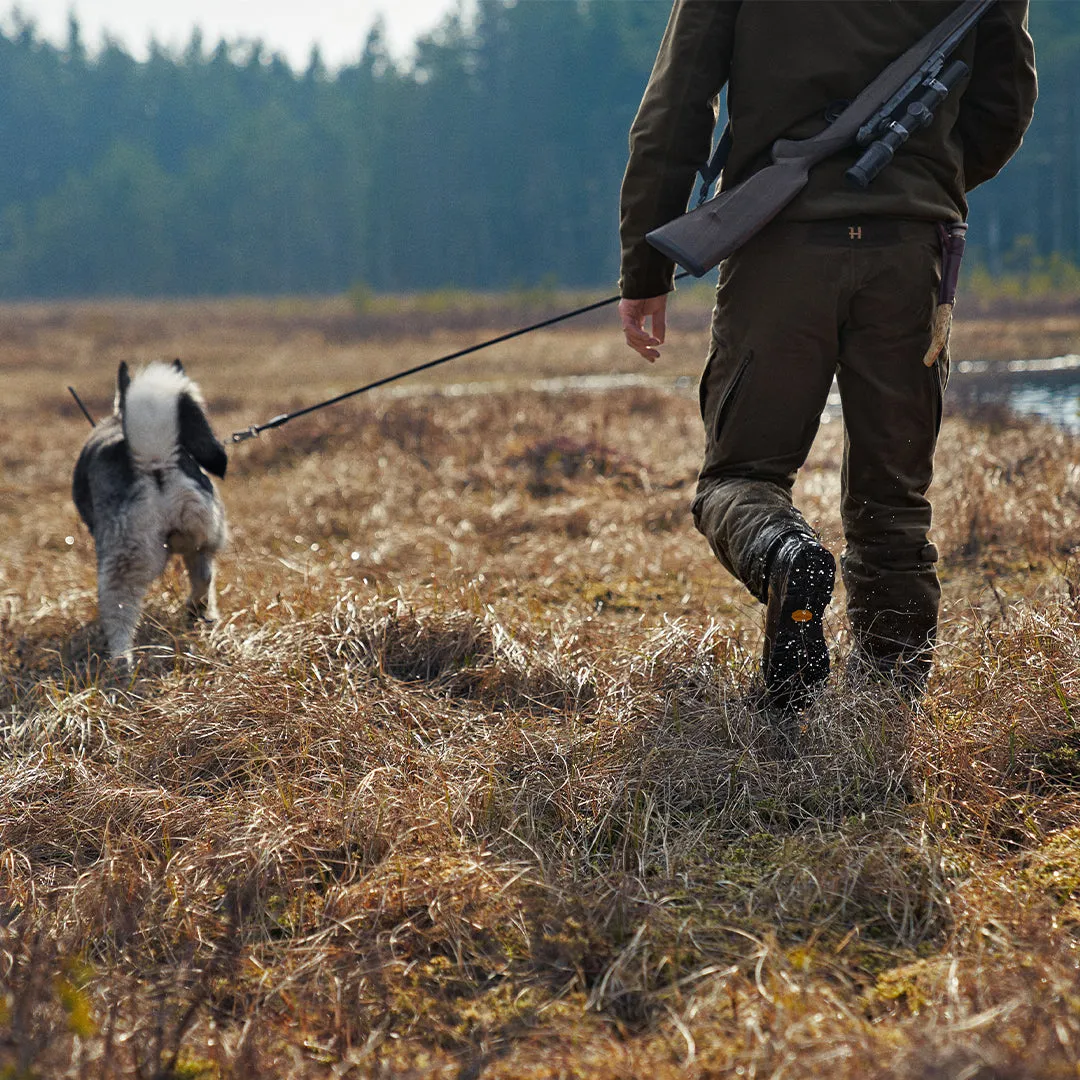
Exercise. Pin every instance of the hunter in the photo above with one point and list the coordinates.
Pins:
(843, 282)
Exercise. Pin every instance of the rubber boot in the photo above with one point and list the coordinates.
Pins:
(795, 658)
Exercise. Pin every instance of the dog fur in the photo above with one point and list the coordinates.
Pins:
(141, 486)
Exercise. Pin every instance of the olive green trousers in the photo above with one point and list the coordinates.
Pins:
(795, 306)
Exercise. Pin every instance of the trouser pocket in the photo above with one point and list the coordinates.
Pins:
(717, 394)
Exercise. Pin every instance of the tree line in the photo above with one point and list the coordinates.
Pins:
(491, 158)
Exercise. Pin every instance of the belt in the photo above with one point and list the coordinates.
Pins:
(856, 232)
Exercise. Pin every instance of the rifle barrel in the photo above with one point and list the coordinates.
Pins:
(928, 69)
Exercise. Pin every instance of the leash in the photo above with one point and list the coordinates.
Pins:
(255, 430)
(85, 411)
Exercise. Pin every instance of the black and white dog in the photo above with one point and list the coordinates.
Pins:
(141, 488)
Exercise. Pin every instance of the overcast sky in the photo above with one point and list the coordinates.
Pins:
(286, 26)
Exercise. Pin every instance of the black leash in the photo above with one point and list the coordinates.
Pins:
(256, 429)
(85, 411)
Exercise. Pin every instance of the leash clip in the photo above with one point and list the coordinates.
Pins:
(242, 436)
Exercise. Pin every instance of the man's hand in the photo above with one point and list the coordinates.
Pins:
(634, 313)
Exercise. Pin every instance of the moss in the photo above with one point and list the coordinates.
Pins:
(190, 1067)
(1054, 872)
(910, 985)
(1060, 765)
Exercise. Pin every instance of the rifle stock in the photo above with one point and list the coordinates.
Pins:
(700, 239)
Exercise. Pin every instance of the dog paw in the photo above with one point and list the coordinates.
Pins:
(120, 669)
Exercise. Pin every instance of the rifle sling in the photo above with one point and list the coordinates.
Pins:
(715, 166)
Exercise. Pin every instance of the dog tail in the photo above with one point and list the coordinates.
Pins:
(162, 412)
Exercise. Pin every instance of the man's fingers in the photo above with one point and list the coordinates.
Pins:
(640, 335)
(632, 314)
(642, 344)
(659, 325)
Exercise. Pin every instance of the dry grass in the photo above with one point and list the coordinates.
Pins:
(469, 780)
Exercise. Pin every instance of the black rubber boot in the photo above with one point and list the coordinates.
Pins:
(795, 659)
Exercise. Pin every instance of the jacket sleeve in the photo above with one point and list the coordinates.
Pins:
(999, 100)
(672, 135)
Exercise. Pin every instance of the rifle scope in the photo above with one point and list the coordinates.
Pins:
(918, 114)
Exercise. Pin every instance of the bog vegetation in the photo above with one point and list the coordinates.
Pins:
(468, 780)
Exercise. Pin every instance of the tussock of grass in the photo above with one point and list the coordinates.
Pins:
(472, 778)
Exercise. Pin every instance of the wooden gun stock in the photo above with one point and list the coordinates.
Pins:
(700, 239)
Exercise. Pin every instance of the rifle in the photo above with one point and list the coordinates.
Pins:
(700, 239)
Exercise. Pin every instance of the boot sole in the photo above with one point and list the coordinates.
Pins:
(797, 662)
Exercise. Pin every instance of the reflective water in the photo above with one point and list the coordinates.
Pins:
(1049, 388)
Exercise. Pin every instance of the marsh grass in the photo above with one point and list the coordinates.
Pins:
(473, 779)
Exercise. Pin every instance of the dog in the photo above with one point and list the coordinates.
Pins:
(141, 486)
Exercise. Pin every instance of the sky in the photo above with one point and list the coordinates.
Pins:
(340, 27)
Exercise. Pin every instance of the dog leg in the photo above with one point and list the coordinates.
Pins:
(120, 603)
(122, 585)
(202, 603)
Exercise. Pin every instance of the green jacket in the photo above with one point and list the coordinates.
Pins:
(784, 64)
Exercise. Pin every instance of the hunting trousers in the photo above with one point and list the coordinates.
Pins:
(798, 304)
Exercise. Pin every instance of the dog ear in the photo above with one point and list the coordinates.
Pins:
(177, 366)
(198, 438)
(123, 381)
